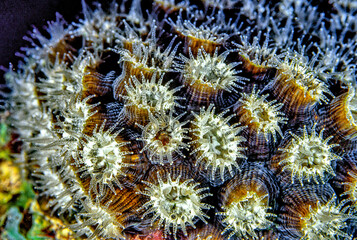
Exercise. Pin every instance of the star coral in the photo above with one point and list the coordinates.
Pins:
(193, 119)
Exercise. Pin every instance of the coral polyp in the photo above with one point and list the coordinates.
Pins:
(260, 115)
(351, 107)
(107, 225)
(246, 204)
(207, 232)
(208, 76)
(175, 201)
(186, 119)
(323, 221)
(351, 187)
(207, 37)
(294, 68)
(147, 96)
(164, 138)
(211, 70)
(307, 157)
(77, 113)
(102, 157)
(98, 27)
(340, 118)
(250, 208)
(345, 180)
(300, 86)
(216, 144)
(141, 59)
(170, 6)
(315, 217)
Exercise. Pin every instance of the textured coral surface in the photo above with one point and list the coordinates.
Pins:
(200, 119)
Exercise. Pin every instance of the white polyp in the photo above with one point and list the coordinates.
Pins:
(163, 137)
(175, 204)
(243, 217)
(325, 221)
(150, 95)
(209, 70)
(264, 114)
(216, 142)
(102, 159)
(309, 157)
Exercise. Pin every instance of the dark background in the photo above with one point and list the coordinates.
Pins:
(17, 18)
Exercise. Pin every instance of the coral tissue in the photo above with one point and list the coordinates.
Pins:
(193, 119)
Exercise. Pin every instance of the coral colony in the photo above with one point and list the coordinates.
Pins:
(202, 119)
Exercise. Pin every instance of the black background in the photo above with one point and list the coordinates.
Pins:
(17, 18)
